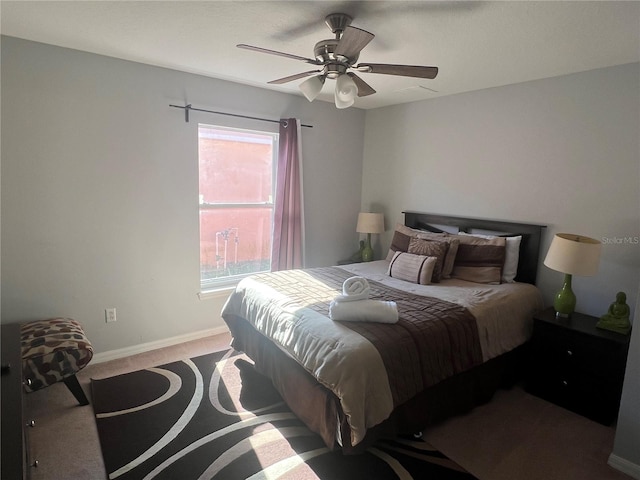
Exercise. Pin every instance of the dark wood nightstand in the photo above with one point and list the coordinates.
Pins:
(15, 449)
(576, 365)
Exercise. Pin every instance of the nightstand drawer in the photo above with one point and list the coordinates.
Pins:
(577, 366)
(580, 393)
(569, 351)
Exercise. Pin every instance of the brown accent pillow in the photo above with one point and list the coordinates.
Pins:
(449, 259)
(402, 235)
(480, 260)
(431, 248)
(399, 243)
(412, 268)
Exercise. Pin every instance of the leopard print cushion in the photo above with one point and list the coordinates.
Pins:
(52, 350)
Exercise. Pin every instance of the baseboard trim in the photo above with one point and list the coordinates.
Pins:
(146, 347)
(625, 466)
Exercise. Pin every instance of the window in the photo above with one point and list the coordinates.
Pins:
(236, 202)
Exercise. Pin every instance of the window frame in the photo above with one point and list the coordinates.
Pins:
(208, 286)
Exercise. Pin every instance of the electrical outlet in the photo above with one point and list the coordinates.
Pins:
(110, 315)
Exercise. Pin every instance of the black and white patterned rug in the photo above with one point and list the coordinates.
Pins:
(214, 417)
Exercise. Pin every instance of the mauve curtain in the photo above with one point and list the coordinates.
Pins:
(287, 251)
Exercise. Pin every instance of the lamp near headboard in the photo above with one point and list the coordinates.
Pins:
(572, 255)
(369, 223)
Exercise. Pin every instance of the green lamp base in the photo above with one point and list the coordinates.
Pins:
(565, 301)
(367, 251)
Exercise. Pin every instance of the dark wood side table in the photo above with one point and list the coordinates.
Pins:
(576, 365)
(16, 461)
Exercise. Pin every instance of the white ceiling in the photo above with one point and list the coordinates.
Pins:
(475, 44)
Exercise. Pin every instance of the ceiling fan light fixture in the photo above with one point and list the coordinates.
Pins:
(337, 55)
(311, 87)
(346, 91)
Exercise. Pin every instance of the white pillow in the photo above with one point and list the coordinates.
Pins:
(511, 257)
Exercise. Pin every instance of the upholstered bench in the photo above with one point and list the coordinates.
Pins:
(54, 350)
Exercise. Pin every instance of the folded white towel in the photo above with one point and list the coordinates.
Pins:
(364, 311)
(354, 288)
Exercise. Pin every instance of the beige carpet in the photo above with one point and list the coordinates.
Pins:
(519, 436)
(516, 436)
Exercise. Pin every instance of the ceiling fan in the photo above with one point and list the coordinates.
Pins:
(337, 56)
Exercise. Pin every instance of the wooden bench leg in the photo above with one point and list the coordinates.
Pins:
(74, 387)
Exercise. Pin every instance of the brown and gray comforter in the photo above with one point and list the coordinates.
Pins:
(371, 367)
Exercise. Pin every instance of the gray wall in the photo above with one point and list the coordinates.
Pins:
(99, 184)
(100, 189)
(628, 427)
(563, 152)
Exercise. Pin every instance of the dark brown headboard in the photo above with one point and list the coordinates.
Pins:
(529, 247)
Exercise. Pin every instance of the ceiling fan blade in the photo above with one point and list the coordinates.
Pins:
(352, 41)
(280, 54)
(291, 78)
(364, 88)
(401, 70)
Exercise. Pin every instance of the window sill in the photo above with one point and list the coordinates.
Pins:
(220, 292)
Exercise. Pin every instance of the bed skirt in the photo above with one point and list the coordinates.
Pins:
(319, 408)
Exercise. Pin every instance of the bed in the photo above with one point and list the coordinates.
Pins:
(460, 336)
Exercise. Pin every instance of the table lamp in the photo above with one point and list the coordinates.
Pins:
(572, 255)
(369, 223)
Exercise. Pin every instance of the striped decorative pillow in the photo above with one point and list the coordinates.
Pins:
(511, 256)
(412, 268)
(480, 260)
(403, 235)
(430, 248)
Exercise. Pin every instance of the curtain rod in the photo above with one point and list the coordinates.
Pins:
(188, 107)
